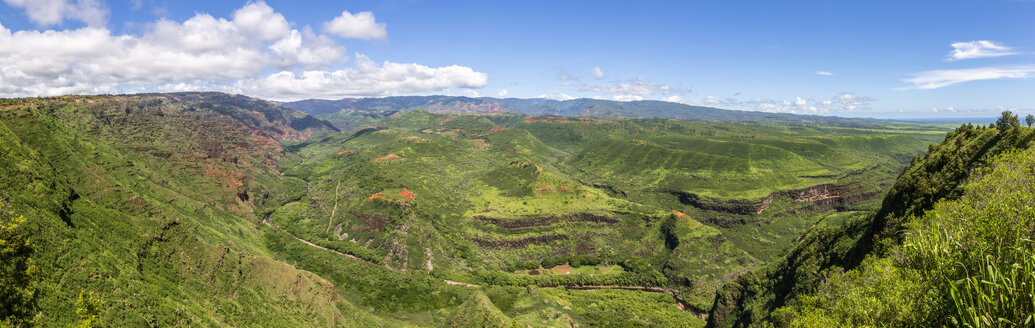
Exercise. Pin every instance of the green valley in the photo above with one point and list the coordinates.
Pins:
(210, 209)
(698, 164)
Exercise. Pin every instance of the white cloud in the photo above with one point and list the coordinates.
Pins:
(367, 79)
(556, 96)
(503, 93)
(633, 89)
(260, 21)
(824, 73)
(598, 73)
(673, 98)
(626, 97)
(359, 26)
(978, 49)
(943, 78)
(54, 12)
(256, 48)
(471, 93)
(842, 102)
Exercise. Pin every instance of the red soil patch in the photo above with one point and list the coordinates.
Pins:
(388, 157)
(604, 268)
(406, 193)
(679, 214)
(562, 269)
(378, 195)
(346, 151)
(496, 129)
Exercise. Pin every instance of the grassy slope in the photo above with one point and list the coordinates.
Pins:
(884, 284)
(128, 203)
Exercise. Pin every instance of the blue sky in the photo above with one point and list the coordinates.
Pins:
(862, 58)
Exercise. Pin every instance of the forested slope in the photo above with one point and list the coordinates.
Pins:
(148, 203)
(950, 245)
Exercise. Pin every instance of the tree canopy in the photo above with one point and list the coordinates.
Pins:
(1007, 120)
(18, 273)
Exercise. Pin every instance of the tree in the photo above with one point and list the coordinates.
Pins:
(1030, 119)
(18, 273)
(1008, 120)
(89, 308)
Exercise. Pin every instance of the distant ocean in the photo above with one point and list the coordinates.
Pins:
(961, 120)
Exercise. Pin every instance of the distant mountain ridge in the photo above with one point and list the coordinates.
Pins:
(538, 106)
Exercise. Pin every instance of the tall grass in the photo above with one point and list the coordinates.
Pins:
(996, 296)
(978, 250)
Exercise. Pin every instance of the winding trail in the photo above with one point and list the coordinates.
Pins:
(336, 197)
(349, 256)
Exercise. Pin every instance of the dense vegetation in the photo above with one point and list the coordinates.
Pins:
(467, 195)
(951, 246)
(207, 209)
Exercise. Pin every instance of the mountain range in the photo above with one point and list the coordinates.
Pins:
(344, 110)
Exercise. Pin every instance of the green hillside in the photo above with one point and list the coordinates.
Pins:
(470, 197)
(950, 246)
(206, 209)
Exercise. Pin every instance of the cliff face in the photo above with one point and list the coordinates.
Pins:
(820, 196)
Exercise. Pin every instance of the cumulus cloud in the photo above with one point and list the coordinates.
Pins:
(503, 93)
(556, 96)
(54, 12)
(598, 73)
(629, 90)
(256, 47)
(824, 73)
(367, 79)
(359, 26)
(942, 78)
(978, 49)
(842, 102)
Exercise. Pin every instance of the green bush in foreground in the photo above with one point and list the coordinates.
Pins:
(89, 309)
(968, 262)
(18, 273)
